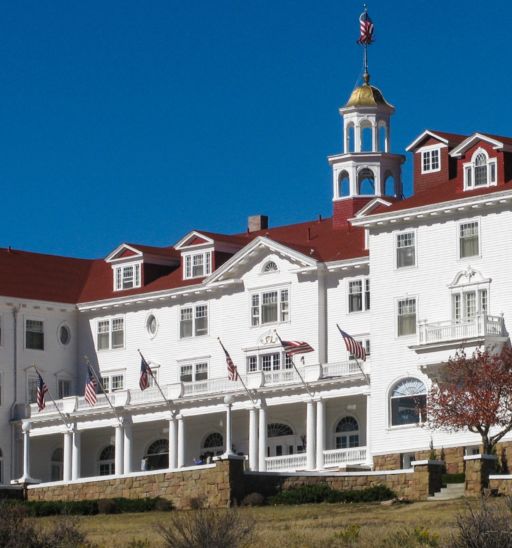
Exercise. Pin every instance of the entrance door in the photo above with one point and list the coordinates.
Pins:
(280, 440)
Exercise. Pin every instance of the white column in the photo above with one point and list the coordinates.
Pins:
(310, 435)
(76, 455)
(357, 138)
(369, 457)
(119, 450)
(375, 131)
(25, 427)
(173, 443)
(68, 441)
(181, 441)
(128, 448)
(228, 400)
(253, 439)
(262, 452)
(320, 433)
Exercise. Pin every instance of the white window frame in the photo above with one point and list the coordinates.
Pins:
(195, 308)
(426, 157)
(119, 276)
(397, 307)
(110, 333)
(479, 235)
(256, 310)
(366, 343)
(32, 319)
(107, 379)
(195, 370)
(468, 168)
(188, 264)
(365, 293)
(64, 380)
(397, 382)
(64, 325)
(284, 363)
(396, 248)
(31, 379)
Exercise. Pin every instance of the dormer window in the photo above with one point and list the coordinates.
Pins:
(197, 265)
(430, 160)
(480, 172)
(270, 266)
(127, 276)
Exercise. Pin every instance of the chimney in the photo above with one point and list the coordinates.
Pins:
(257, 222)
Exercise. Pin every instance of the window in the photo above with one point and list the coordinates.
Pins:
(430, 160)
(32, 389)
(406, 317)
(198, 265)
(270, 307)
(405, 250)
(214, 443)
(359, 295)
(270, 266)
(127, 276)
(347, 433)
(366, 345)
(56, 472)
(194, 372)
(467, 304)
(34, 335)
(468, 239)
(112, 382)
(269, 362)
(64, 335)
(151, 325)
(408, 402)
(157, 455)
(64, 386)
(110, 334)
(106, 462)
(481, 171)
(194, 321)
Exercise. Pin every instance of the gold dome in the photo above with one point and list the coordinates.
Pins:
(367, 96)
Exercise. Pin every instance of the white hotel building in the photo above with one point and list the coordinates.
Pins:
(413, 279)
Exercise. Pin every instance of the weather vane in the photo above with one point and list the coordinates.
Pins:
(365, 39)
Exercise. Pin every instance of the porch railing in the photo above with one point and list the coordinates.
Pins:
(286, 462)
(335, 457)
(210, 386)
(480, 326)
(281, 376)
(342, 369)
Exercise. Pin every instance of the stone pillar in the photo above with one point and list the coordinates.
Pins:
(320, 433)
(262, 452)
(253, 439)
(173, 443)
(310, 435)
(67, 464)
(76, 459)
(228, 400)
(181, 441)
(128, 447)
(119, 459)
(427, 478)
(478, 469)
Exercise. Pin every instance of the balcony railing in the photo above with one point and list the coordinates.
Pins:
(286, 463)
(342, 369)
(482, 325)
(336, 457)
(332, 458)
(210, 386)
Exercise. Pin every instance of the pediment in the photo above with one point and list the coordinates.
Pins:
(472, 141)
(469, 276)
(426, 135)
(123, 251)
(193, 239)
(370, 206)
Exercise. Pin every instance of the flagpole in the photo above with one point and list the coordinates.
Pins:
(357, 362)
(91, 368)
(169, 402)
(239, 376)
(295, 367)
(51, 397)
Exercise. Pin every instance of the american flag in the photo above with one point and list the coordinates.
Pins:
(90, 387)
(365, 29)
(42, 389)
(354, 347)
(232, 369)
(145, 371)
(296, 347)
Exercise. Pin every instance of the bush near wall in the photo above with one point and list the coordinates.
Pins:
(321, 492)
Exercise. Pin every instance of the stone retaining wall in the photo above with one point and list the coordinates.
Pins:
(452, 456)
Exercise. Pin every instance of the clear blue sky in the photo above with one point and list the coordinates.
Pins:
(134, 121)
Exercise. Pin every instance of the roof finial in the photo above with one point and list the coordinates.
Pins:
(365, 39)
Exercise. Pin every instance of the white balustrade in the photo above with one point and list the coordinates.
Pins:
(294, 462)
(480, 326)
(211, 386)
(281, 376)
(145, 396)
(342, 369)
(49, 408)
(335, 457)
(101, 401)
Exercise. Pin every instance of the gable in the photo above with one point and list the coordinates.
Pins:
(193, 239)
(123, 251)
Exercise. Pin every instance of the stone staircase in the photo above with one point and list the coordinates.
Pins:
(451, 491)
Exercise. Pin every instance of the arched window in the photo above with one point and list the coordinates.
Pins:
(343, 184)
(389, 186)
(366, 182)
(106, 463)
(350, 143)
(56, 464)
(366, 137)
(157, 455)
(214, 444)
(347, 433)
(408, 402)
(270, 266)
(382, 138)
(276, 429)
(481, 171)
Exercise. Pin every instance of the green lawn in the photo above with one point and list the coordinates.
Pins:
(313, 525)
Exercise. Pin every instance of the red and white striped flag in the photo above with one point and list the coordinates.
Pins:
(296, 347)
(232, 369)
(365, 29)
(90, 388)
(42, 389)
(354, 347)
(145, 371)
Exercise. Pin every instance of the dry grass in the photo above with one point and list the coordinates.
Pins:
(315, 525)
